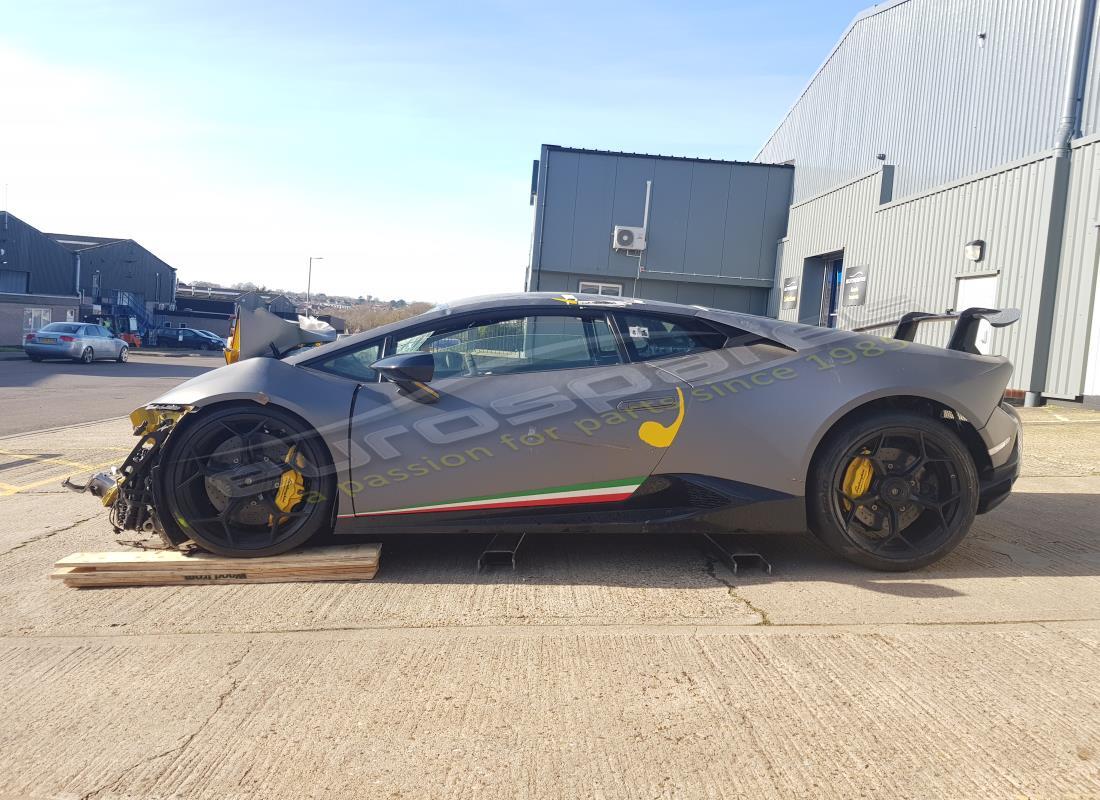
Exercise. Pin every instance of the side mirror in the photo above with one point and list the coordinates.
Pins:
(411, 372)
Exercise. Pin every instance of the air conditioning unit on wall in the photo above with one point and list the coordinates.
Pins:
(625, 237)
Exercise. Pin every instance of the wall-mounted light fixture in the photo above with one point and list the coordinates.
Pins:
(975, 250)
(880, 156)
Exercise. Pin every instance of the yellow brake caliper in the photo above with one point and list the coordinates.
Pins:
(857, 479)
(291, 485)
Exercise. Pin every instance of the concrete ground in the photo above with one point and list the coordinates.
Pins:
(603, 667)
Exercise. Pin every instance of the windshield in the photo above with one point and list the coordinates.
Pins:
(61, 327)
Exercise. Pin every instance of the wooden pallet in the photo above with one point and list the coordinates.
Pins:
(173, 568)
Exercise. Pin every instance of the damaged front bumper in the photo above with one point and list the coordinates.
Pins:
(129, 490)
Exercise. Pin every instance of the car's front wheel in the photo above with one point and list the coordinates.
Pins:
(246, 482)
(896, 491)
(124, 355)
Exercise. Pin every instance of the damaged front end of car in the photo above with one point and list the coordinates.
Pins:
(128, 490)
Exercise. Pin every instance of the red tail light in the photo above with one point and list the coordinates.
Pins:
(67, 339)
(30, 337)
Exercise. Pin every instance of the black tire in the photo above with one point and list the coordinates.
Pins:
(35, 358)
(123, 355)
(210, 447)
(918, 503)
(87, 357)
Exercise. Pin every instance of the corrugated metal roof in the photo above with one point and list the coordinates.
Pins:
(561, 149)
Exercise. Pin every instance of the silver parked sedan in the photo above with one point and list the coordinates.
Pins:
(76, 340)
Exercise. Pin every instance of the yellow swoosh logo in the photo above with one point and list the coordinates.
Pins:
(657, 435)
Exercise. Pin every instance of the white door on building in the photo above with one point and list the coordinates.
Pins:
(978, 293)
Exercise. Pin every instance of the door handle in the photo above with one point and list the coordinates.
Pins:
(654, 403)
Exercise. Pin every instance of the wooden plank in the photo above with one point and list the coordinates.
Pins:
(67, 572)
(158, 559)
(173, 568)
(92, 579)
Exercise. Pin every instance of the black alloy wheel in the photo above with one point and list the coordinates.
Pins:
(894, 493)
(246, 482)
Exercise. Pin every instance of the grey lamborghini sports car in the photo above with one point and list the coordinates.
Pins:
(558, 412)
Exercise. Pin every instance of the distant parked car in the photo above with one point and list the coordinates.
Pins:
(76, 340)
(220, 340)
(187, 338)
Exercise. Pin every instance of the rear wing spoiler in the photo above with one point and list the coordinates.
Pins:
(965, 333)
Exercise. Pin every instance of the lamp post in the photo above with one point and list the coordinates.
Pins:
(309, 280)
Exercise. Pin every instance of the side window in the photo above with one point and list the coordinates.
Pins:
(652, 336)
(356, 364)
(533, 343)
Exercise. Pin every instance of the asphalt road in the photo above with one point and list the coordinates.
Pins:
(52, 394)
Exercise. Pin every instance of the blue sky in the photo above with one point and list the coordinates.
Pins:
(236, 139)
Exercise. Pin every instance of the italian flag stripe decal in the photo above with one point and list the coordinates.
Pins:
(601, 492)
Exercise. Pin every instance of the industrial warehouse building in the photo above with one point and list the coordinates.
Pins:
(47, 277)
(119, 279)
(38, 283)
(945, 155)
(711, 227)
(59, 277)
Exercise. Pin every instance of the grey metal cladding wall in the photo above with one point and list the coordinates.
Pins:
(1077, 275)
(914, 81)
(914, 247)
(1090, 106)
(127, 266)
(707, 218)
(26, 249)
(837, 220)
(670, 208)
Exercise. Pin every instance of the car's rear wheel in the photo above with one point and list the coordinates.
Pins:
(35, 358)
(124, 355)
(893, 492)
(246, 482)
(87, 357)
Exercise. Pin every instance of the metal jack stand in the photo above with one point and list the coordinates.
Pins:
(501, 551)
(734, 557)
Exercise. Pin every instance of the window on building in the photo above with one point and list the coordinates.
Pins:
(651, 336)
(36, 318)
(595, 287)
(14, 282)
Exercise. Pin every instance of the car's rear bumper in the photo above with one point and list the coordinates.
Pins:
(1004, 436)
(997, 484)
(60, 350)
